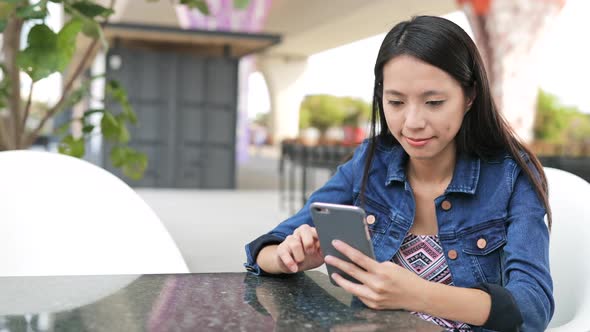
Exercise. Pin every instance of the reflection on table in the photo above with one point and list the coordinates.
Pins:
(199, 302)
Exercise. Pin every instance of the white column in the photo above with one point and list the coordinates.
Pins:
(284, 78)
(245, 68)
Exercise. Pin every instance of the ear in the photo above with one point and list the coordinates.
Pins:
(470, 98)
(469, 104)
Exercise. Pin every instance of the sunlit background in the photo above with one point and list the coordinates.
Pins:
(348, 70)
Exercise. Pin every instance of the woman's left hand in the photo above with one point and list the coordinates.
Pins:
(384, 285)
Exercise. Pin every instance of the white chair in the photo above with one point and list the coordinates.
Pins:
(64, 216)
(569, 197)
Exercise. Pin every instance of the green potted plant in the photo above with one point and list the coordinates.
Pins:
(47, 52)
(357, 115)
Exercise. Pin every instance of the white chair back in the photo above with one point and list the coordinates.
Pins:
(64, 216)
(569, 197)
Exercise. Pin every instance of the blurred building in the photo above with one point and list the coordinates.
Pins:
(186, 74)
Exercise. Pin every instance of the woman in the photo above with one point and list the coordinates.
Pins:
(455, 202)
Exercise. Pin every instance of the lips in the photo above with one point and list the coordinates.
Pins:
(417, 142)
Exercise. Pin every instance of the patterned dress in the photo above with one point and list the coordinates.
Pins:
(423, 255)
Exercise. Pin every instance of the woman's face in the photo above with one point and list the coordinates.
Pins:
(423, 105)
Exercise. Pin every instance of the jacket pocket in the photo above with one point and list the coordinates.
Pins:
(483, 245)
(376, 215)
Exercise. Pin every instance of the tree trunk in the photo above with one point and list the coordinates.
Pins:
(506, 32)
(10, 137)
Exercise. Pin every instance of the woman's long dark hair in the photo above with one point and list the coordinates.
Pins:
(484, 131)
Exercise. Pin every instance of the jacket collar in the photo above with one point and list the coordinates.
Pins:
(465, 175)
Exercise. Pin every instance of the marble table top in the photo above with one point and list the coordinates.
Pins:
(191, 302)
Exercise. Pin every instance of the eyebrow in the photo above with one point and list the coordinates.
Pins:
(424, 94)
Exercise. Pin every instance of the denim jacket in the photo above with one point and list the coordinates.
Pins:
(491, 200)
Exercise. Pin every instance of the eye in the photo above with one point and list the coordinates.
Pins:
(435, 103)
(395, 102)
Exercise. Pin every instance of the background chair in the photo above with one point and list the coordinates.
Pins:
(64, 216)
(569, 196)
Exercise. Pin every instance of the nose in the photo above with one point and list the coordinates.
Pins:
(414, 118)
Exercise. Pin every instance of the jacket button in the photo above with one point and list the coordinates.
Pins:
(446, 205)
(370, 219)
(482, 243)
(452, 254)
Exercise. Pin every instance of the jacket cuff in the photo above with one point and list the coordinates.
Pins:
(504, 313)
(253, 249)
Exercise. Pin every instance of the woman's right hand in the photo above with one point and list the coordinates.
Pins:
(300, 251)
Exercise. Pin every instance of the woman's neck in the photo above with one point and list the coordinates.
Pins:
(436, 170)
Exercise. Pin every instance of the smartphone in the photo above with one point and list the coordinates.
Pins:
(345, 223)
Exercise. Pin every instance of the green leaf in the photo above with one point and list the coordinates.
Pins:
(48, 52)
(114, 129)
(92, 29)
(201, 5)
(97, 76)
(92, 10)
(135, 164)
(68, 33)
(86, 12)
(36, 11)
(241, 4)
(132, 162)
(118, 156)
(93, 111)
(41, 58)
(66, 42)
(2, 25)
(203, 8)
(130, 114)
(72, 147)
(114, 86)
(110, 127)
(118, 94)
(41, 36)
(124, 135)
(87, 129)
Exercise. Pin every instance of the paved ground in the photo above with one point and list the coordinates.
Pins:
(261, 170)
(211, 227)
